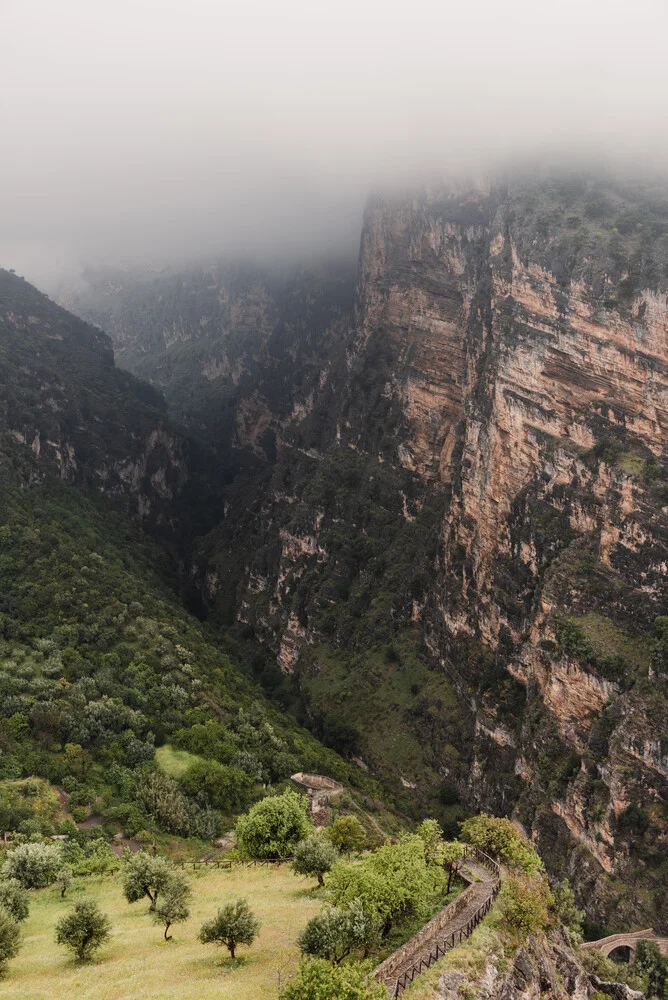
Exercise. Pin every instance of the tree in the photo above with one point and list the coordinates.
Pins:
(347, 834)
(499, 837)
(14, 899)
(318, 980)
(64, 880)
(226, 788)
(10, 938)
(34, 865)
(234, 924)
(391, 882)
(335, 933)
(146, 875)
(653, 968)
(566, 912)
(452, 855)
(84, 929)
(315, 856)
(172, 907)
(430, 832)
(525, 900)
(274, 826)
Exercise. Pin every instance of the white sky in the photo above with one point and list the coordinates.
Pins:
(170, 127)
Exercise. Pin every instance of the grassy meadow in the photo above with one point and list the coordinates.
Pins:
(136, 962)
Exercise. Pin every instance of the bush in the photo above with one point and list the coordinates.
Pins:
(34, 865)
(10, 939)
(525, 900)
(565, 911)
(318, 980)
(334, 933)
(274, 826)
(83, 930)
(499, 837)
(233, 925)
(314, 856)
(347, 834)
(14, 899)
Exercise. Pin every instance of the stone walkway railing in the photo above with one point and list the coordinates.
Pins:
(448, 928)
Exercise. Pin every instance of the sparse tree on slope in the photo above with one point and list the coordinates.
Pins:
(172, 907)
(10, 939)
(234, 924)
(315, 856)
(34, 865)
(146, 875)
(14, 899)
(347, 834)
(273, 827)
(83, 930)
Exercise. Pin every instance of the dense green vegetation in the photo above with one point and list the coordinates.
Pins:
(99, 664)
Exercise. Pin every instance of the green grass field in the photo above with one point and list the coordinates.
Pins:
(137, 963)
(174, 762)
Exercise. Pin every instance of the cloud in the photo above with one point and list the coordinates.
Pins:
(145, 128)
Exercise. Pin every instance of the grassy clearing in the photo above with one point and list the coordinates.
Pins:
(174, 762)
(608, 640)
(136, 963)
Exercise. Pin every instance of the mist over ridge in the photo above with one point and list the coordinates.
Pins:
(153, 130)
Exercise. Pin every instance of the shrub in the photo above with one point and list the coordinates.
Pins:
(233, 925)
(315, 856)
(273, 827)
(347, 834)
(565, 911)
(83, 930)
(318, 980)
(334, 933)
(10, 939)
(499, 837)
(34, 865)
(14, 899)
(525, 900)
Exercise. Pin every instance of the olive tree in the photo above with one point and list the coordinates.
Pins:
(315, 856)
(10, 938)
(234, 924)
(84, 929)
(172, 907)
(146, 875)
(14, 899)
(34, 865)
(335, 933)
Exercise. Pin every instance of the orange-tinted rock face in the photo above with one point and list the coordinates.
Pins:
(531, 367)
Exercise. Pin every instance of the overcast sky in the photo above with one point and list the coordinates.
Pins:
(177, 127)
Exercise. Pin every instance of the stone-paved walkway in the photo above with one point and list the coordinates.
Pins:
(480, 890)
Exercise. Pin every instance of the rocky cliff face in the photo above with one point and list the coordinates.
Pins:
(65, 410)
(455, 535)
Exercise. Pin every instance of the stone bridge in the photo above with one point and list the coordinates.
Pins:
(626, 943)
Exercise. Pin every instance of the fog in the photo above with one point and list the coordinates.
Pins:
(153, 128)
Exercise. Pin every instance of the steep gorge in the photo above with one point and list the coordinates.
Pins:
(447, 513)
